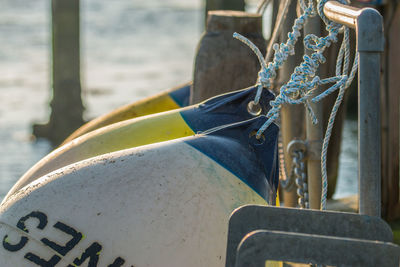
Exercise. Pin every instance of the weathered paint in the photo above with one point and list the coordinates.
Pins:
(164, 204)
(221, 110)
(164, 101)
(125, 134)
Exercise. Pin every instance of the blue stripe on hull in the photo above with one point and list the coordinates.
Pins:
(225, 109)
(252, 161)
(181, 96)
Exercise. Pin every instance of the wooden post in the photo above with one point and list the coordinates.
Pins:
(292, 116)
(323, 110)
(66, 104)
(314, 133)
(222, 63)
(328, 70)
(391, 108)
(223, 5)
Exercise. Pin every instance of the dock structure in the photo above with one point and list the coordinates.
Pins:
(67, 107)
(210, 5)
(391, 113)
(223, 64)
(292, 116)
(306, 236)
(66, 104)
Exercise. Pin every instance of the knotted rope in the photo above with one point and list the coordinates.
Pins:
(303, 82)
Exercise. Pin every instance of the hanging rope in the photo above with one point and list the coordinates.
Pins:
(303, 82)
(283, 8)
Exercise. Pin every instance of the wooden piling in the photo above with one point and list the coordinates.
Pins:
(66, 104)
(292, 116)
(238, 5)
(222, 63)
(391, 114)
(314, 133)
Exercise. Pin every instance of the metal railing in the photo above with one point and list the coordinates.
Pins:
(260, 233)
(368, 24)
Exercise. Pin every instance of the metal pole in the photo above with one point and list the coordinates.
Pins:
(314, 133)
(369, 47)
(369, 30)
(369, 135)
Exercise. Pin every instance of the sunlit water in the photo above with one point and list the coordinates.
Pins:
(130, 50)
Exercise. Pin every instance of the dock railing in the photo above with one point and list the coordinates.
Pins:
(368, 24)
(262, 233)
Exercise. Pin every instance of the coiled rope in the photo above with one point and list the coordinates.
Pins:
(303, 82)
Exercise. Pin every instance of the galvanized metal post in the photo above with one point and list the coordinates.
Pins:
(369, 29)
(369, 47)
(314, 133)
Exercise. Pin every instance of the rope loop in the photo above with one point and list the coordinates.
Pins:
(314, 43)
(303, 83)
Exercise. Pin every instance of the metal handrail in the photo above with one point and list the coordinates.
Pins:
(368, 24)
(253, 250)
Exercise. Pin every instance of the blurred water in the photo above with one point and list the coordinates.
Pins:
(130, 49)
(347, 183)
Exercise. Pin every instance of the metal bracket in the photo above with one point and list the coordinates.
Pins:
(297, 145)
(311, 148)
(331, 224)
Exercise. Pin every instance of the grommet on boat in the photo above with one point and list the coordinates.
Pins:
(164, 204)
(221, 110)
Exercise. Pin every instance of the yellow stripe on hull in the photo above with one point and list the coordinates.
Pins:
(125, 134)
(151, 105)
(142, 131)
